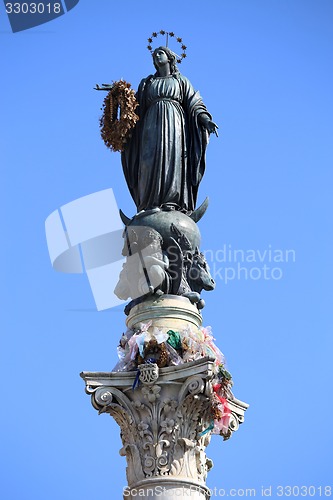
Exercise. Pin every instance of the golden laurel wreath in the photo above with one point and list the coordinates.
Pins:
(119, 115)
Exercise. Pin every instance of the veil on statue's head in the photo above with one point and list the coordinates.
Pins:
(171, 56)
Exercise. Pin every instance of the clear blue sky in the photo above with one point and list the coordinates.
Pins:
(264, 69)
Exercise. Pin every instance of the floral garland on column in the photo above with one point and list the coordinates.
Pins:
(149, 344)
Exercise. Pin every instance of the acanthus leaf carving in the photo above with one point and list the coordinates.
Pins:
(165, 425)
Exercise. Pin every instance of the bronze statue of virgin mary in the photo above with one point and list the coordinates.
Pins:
(164, 159)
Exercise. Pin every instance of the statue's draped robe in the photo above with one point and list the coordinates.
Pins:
(164, 160)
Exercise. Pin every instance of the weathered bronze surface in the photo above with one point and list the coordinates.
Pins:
(164, 160)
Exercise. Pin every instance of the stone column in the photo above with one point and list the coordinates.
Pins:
(163, 424)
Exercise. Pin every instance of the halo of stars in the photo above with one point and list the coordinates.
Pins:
(170, 34)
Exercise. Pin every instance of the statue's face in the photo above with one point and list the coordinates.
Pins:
(160, 58)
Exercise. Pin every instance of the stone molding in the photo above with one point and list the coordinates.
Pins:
(163, 420)
(166, 312)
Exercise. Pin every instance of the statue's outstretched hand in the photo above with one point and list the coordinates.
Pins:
(211, 127)
(105, 86)
(208, 124)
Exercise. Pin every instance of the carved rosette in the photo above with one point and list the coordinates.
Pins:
(163, 420)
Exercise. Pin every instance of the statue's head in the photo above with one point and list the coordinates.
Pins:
(172, 58)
